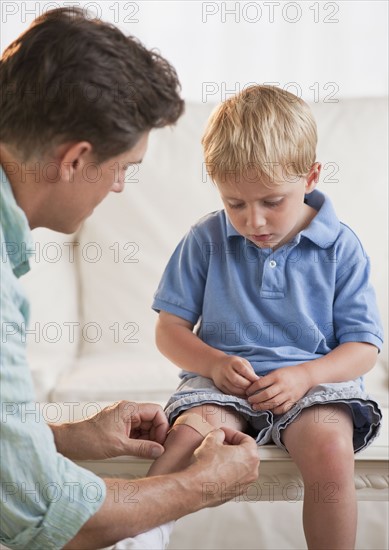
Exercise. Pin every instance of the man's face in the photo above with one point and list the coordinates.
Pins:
(266, 212)
(73, 201)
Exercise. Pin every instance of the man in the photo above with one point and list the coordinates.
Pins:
(76, 93)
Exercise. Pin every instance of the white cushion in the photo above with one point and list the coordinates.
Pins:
(54, 326)
(108, 377)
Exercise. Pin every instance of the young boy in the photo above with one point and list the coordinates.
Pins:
(267, 307)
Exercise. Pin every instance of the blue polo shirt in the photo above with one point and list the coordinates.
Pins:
(45, 498)
(275, 308)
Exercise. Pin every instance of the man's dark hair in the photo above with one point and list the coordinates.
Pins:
(70, 78)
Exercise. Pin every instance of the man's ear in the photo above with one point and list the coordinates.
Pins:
(312, 178)
(73, 159)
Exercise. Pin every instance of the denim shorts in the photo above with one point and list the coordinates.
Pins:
(265, 426)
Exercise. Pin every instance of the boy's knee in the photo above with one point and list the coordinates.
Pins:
(219, 416)
(196, 422)
(332, 457)
(338, 446)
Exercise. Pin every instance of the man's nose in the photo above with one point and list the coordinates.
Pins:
(117, 187)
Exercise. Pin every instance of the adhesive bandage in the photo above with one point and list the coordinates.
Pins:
(196, 422)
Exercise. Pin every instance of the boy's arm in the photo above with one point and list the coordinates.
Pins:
(348, 361)
(176, 340)
(280, 389)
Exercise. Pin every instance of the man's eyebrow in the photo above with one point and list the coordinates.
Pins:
(131, 163)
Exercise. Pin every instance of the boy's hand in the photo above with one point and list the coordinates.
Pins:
(233, 375)
(279, 390)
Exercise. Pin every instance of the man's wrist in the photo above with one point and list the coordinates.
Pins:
(192, 484)
(60, 432)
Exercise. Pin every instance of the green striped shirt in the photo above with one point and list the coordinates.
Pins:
(45, 498)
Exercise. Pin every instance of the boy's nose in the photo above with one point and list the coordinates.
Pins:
(255, 218)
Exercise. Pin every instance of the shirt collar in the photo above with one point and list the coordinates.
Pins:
(325, 226)
(17, 234)
(323, 229)
(231, 231)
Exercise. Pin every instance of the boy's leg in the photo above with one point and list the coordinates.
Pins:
(180, 444)
(320, 441)
(183, 440)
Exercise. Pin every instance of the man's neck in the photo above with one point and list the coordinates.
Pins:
(24, 178)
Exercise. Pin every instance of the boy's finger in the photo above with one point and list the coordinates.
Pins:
(239, 381)
(258, 385)
(246, 371)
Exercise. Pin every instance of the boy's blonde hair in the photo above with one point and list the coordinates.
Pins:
(263, 128)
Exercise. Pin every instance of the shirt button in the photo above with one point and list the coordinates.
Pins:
(272, 263)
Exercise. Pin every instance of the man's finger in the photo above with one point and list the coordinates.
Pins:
(143, 448)
(149, 412)
(151, 417)
(217, 435)
(233, 437)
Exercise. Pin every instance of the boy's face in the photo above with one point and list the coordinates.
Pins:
(268, 213)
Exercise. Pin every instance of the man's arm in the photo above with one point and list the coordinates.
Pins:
(131, 507)
(135, 506)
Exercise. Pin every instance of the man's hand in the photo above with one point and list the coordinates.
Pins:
(125, 428)
(229, 462)
(233, 375)
(279, 390)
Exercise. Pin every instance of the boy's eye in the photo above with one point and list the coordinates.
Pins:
(272, 204)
